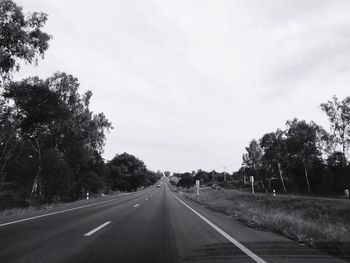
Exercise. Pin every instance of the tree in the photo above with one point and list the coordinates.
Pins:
(336, 161)
(302, 144)
(202, 176)
(83, 133)
(186, 181)
(274, 147)
(338, 113)
(253, 160)
(128, 163)
(48, 134)
(35, 119)
(56, 176)
(54, 116)
(339, 169)
(128, 173)
(21, 37)
(10, 140)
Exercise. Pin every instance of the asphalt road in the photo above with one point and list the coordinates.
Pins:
(153, 225)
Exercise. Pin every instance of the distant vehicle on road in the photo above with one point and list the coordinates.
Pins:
(215, 186)
(159, 185)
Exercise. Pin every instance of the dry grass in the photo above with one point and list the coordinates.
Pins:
(323, 224)
(32, 210)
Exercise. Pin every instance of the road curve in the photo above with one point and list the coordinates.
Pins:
(153, 225)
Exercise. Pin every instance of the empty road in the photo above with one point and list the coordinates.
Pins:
(152, 225)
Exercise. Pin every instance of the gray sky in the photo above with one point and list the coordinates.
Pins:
(187, 84)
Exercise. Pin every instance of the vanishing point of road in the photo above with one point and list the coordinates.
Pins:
(152, 225)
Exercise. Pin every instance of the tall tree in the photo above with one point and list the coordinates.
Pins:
(338, 113)
(127, 172)
(302, 144)
(37, 108)
(253, 160)
(21, 37)
(56, 120)
(274, 147)
(10, 141)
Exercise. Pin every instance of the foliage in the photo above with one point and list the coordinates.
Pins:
(186, 181)
(302, 144)
(303, 156)
(62, 123)
(253, 161)
(21, 37)
(127, 173)
(338, 113)
(202, 176)
(51, 143)
(275, 157)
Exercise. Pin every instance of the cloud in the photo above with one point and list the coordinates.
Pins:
(188, 84)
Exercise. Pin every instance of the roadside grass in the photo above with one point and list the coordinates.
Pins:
(323, 224)
(37, 209)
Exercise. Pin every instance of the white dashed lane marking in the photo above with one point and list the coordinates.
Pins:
(96, 229)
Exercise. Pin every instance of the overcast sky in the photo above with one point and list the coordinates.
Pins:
(187, 84)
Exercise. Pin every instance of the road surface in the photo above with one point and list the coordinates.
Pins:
(152, 225)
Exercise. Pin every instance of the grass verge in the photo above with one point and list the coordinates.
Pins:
(322, 224)
(38, 209)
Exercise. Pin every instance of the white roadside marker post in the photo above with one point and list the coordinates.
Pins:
(252, 182)
(197, 187)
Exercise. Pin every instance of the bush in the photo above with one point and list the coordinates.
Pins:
(56, 175)
(186, 181)
(10, 199)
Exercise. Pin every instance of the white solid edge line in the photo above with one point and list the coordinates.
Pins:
(136, 205)
(249, 253)
(55, 213)
(96, 229)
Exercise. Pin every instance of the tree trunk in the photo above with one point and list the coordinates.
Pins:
(281, 177)
(7, 152)
(343, 142)
(261, 180)
(35, 186)
(244, 177)
(306, 176)
(262, 184)
(36, 190)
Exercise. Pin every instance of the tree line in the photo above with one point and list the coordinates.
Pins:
(188, 179)
(303, 156)
(51, 143)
